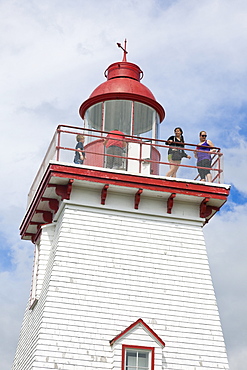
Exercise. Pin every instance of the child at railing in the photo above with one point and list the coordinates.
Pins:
(80, 153)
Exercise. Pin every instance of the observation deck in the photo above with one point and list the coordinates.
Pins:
(144, 167)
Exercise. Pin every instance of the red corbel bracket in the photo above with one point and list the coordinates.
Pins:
(170, 202)
(104, 193)
(53, 203)
(138, 198)
(47, 216)
(36, 223)
(32, 236)
(63, 190)
(37, 235)
(206, 210)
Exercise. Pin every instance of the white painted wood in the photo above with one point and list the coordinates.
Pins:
(103, 267)
(138, 151)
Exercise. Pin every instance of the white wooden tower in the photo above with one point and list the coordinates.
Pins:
(121, 277)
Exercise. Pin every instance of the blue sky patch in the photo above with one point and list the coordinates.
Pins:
(236, 196)
(5, 254)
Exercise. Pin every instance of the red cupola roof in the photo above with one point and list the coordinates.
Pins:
(123, 83)
(123, 77)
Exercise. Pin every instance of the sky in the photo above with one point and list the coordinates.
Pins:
(53, 53)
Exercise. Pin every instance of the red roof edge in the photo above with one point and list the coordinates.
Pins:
(136, 323)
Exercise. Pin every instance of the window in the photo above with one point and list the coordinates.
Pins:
(137, 358)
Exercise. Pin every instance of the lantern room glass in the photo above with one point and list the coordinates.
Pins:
(117, 116)
(130, 117)
(93, 117)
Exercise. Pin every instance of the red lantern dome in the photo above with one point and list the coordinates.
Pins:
(123, 83)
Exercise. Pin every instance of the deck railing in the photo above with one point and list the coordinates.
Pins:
(142, 155)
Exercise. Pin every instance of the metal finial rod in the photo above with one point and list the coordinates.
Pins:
(124, 50)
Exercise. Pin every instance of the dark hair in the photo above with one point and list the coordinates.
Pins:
(202, 132)
(179, 128)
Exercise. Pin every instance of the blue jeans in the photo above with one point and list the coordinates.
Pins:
(78, 161)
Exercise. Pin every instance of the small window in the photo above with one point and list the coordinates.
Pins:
(137, 358)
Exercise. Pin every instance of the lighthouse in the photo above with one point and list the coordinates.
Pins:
(121, 278)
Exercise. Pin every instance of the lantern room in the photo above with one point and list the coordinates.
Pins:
(123, 103)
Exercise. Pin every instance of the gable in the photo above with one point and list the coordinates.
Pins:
(138, 331)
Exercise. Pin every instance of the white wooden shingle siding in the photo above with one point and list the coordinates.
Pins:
(105, 269)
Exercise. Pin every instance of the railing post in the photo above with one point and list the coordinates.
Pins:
(140, 158)
(221, 168)
(219, 177)
(58, 143)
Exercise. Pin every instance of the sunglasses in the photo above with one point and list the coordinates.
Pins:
(203, 135)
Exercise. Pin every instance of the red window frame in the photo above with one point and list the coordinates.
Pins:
(125, 347)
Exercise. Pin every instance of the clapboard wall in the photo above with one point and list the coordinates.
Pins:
(102, 268)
